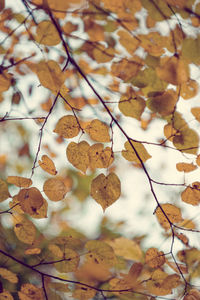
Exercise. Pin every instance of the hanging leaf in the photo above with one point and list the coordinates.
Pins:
(100, 253)
(191, 195)
(4, 193)
(185, 167)
(32, 251)
(77, 155)
(47, 34)
(19, 181)
(98, 131)
(50, 75)
(162, 102)
(196, 113)
(126, 248)
(30, 291)
(106, 189)
(70, 262)
(47, 165)
(24, 229)
(189, 89)
(8, 275)
(132, 107)
(67, 127)
(154, 258)
(130, 155)
(172, 212)
(100, 157)
(55, 189)
(30, 200)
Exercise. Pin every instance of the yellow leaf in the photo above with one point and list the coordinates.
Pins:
(67, 127)
(185, 167)
(55, 189)
(50, 75)
(127, 69)
(187, 140)
(5, 81)
(32, 251)
(56, 251)
(191, 195)
(106, 189)
(169, 132)
(47, 34)
(99, 157)
(70, 261)
(156, 285)
(100, 253)
(162, 102)
(30, 200)
(189, 89)
(196, 113)
(68, 241)
(19, 181)
(8, 275)
(190, 49)
(154, 258)
(24, 229)
(77, 155)
(83, 293)
(47, 165)
(172, 212)
(30, 292)
(130, 155)
(103, 54)
(41, 212)
(6, 296)
(193, 294)
(132, 107)
(126, 248)
(128, 41)
(4, 193)
(98, 131)
(173, 70)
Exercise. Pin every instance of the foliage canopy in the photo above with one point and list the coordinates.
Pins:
(110, 82)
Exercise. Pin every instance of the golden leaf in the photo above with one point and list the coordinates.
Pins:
(67, 127)
(191, 195)
(185, 167)
(47, 165)
(4, 193)
(99, 157)
(126, 248)
(70, 261)
(30, 291)
(128, 41)
(77, 155)
(106, 189)
(50, 75)
(6, 296)
(55, 250)
(83, 293)
(162, 102)
(30, 200)
(189, 89)
(132, 107)
(32, 251)
(130, 155)
(19, 181)
(127, 69)
(8, 275)
(5, 81)
(55, 189)
(196, 113)
(47, 34)
(154, 258)
(173, 70)
(24, 229)
(172, 212)
(100, 253)
(98, 131)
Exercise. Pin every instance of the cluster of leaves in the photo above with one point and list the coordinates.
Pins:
(116, 50)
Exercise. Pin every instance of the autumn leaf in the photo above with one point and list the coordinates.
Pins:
(67, 127)
(47, 34)
(55, 189)
(170, 211)
(30, 291)
(185, 167)
(47, 165)
(19, 181)
(24, 229)
(130, 155)
(191, 195)
(8, 275)
(78, 156)
(4, 193)
(100, 157)
(154, 258)
(30, 200)
(98, 131)
(132, 107)
(106, 189)
(162, 102)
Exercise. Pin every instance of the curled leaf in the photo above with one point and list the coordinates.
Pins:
(47, 165)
